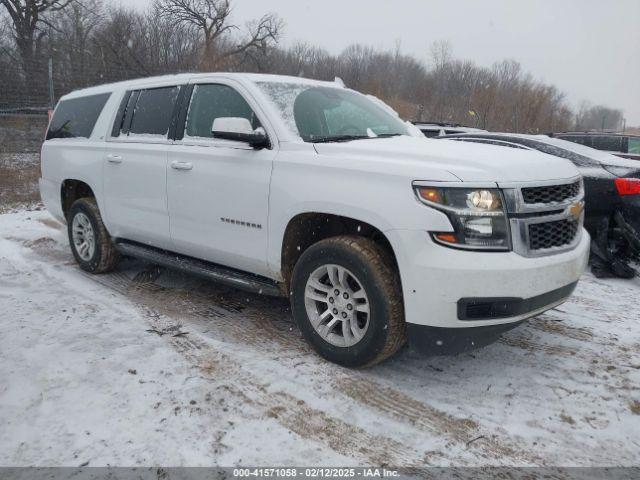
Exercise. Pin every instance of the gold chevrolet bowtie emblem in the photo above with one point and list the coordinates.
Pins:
(576, 209)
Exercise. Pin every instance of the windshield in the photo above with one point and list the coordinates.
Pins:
(319, 113)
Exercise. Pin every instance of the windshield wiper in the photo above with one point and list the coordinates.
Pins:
(338, 138)
(348, 138)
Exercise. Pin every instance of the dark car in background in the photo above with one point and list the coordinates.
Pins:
(612, 194)
(440, 129)
(621, 145)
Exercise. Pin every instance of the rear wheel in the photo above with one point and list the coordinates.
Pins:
(347, 301)
(89, 240)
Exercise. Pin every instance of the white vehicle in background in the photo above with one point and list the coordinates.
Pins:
(306, 189)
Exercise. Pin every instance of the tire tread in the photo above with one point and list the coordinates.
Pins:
(387, 279)
(109, 256)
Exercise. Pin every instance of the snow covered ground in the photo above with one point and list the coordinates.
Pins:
(146, 367)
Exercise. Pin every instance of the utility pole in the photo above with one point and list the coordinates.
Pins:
(52, 102)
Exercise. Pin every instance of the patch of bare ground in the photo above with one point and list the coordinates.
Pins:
(18, 183)
(557, 327)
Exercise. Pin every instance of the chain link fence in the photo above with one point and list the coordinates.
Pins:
(20, 139)
(29, 92)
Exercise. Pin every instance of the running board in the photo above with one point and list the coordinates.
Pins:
(227, 276)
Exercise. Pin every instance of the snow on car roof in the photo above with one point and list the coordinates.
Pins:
(164, 80)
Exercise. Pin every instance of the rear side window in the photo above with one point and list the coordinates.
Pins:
(209, 102)
(75, 118)
(634, 145)
(608, 143)
(153, 111)
(581, 139)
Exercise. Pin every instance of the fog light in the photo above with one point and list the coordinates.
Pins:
(479, 227)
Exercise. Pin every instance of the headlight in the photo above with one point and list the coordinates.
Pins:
(477, 215)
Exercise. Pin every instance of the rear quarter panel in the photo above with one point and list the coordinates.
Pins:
(72, 159)
(76, 159)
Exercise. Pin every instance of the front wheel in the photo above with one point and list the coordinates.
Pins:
(347, 301)
(90, 242)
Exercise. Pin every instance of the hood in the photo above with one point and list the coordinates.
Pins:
(469, 162)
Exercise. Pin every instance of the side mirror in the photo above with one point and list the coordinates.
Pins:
(239, 130)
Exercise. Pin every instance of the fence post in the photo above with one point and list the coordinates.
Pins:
(52, 103)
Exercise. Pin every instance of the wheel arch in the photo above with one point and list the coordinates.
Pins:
(72, 189)
(307, 228)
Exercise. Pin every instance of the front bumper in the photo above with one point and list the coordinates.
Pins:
(434, 341)
(437, 279)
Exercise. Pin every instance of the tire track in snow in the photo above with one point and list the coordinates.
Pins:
(289, 411)
(267, 328)
(264, 334)
(548, 324)
(397, 405)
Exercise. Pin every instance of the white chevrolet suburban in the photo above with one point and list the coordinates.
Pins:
(300, 188)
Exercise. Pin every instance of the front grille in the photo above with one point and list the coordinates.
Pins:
(552, 234)
(551, 194)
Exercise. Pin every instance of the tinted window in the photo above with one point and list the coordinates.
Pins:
(125, 114)
(581, 139)
(609, 143)
(77, 117)
(153, 111)
(634, 145)
(209, 102)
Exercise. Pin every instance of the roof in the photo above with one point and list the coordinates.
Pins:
(186, 77)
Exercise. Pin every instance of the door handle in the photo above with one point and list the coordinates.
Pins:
(181, 165)
(114, 158)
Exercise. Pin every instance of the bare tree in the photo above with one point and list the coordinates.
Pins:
(91, 42)
(28, 18)
(211, 18)
(598, 117)
(70, 42)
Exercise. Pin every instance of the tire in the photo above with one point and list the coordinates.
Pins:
(103, 257)
(370, 337)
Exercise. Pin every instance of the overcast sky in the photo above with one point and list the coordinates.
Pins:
(589, 49)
